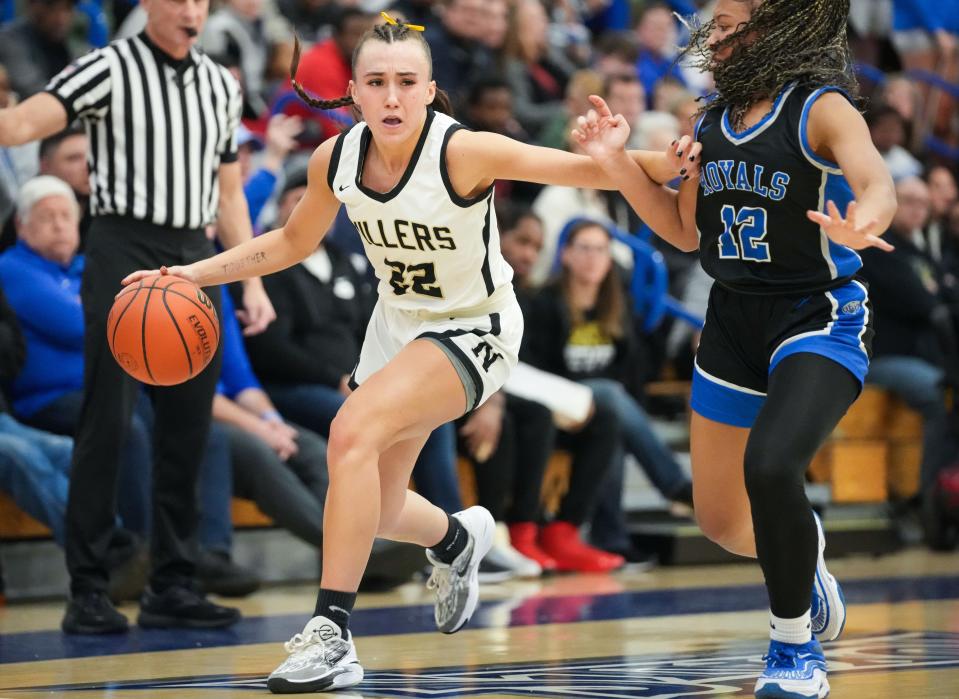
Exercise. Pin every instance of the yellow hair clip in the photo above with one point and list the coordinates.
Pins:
(414, 27)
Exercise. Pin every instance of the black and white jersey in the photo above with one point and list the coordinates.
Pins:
(430, 248)
(158, 127)
(755, 189)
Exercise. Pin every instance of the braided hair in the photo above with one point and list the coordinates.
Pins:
(784, 41)
(388, 33)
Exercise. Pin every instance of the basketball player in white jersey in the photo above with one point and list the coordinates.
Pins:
(443, 337)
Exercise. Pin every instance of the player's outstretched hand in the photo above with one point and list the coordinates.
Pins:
(600, 133)
(683, 157)
(178, 271)
(849, 231)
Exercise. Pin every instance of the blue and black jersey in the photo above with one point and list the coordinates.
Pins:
(755, 190)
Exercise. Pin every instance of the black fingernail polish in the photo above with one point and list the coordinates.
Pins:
(692, 157)
(680, 154)
(683, 171)
(685, 178)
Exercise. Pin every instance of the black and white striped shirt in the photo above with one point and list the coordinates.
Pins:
(158, 127)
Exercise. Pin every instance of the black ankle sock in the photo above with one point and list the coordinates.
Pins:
(335, 606)
(451, 545)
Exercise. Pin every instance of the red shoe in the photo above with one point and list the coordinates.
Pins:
(561, 541)
(522, 537)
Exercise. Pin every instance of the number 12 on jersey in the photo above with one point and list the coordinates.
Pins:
(751, 224)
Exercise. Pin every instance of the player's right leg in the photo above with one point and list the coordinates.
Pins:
(373, 444)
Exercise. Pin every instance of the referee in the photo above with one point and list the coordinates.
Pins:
(161, 119)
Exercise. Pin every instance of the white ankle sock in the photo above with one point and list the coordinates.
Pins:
(798, 630)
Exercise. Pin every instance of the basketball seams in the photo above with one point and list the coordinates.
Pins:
(116, 325)
(179, 332)
(143, 333)
(213, 321)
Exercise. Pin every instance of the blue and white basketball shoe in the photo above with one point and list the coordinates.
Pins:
(828, 608)
(793, 671)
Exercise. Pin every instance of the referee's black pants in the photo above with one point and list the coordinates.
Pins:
(115, 247)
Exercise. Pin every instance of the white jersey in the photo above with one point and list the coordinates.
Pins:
(431, 249)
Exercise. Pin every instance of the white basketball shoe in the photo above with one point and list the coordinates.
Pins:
(456, 585)
(320, 659)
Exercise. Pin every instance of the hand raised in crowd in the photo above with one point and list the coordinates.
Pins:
(281, 133)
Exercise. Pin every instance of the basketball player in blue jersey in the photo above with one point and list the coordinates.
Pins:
(444, 335)
(787, 338)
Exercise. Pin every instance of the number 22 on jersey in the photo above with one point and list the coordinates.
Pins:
(745, 231)
(420, 279)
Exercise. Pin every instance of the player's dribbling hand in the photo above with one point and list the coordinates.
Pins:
(848, 231)
(600, 133)
(177, 271)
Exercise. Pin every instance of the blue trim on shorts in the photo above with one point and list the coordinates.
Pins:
(841, 340)
(724, 404)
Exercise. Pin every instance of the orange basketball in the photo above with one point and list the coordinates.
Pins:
(163, 330)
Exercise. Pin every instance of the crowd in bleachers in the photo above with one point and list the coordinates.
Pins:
(523, 68)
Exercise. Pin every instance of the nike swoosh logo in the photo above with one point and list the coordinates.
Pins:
(342, 188)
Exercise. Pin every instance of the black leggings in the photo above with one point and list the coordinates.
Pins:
(807, 396)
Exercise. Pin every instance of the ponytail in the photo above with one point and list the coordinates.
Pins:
(344, 101)
(389, 33)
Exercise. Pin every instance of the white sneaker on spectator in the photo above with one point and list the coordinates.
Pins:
(505, 556)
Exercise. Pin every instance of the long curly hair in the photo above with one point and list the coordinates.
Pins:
(387, 33)
(784, 41)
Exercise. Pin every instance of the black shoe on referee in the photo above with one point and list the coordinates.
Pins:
(93, 613)
(183, 607)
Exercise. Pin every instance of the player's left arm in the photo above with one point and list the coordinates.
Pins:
(480, 157)
(233, 228)
(837, 132)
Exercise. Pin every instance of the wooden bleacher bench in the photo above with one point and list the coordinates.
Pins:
(874, 454)
(17, 525)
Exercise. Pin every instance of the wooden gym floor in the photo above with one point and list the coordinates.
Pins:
(671, 632)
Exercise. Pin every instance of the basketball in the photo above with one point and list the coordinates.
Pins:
(163, 330)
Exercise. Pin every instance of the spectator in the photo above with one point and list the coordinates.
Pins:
(460, 57)
(278, 465)
(42, 274)
(537, 74)
(63, 155)
(239, 34)
(625, 95)
(905, 290)
(903, 95)
(616, 53)
(580, 327)
(657, 34)
(309, 17)
(581, 85)
(924, 31)
(17, 164)
(943, 195)
(489, 107)
(34, 465)
(557, 546)
(260, 183)
(325, 71)
(889, 134)
(36, 47)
